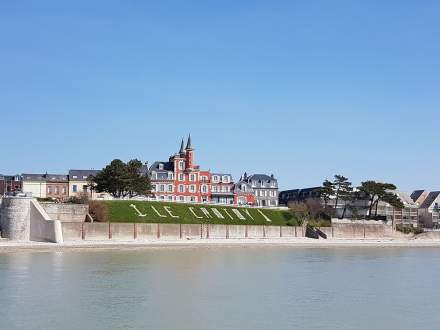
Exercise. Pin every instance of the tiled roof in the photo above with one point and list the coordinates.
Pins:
(81, 175)
(430, 199)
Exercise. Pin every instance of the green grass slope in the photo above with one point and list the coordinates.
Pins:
(159, 212)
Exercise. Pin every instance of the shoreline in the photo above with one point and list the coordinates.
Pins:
(11, 247)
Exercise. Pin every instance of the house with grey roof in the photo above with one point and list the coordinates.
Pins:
(264, 187)
(46, 185)
(430, 210)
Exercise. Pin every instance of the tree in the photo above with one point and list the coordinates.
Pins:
(377, 192)
(137, 184)
(121, 180)
(327, 191)
(300, 211)
(342, 188)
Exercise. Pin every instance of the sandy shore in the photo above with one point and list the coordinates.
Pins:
(7, 246)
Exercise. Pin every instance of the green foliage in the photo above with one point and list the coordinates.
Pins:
(123, 211)
(45, 199)
(327, 191)
(408, 229)
(320, 223)
(309, 211)
(81, 198)
(98, 211)
(121, 180)
(378, 191)
(342, 188)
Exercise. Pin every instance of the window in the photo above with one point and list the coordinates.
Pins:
(160, 166)
(154, 175)
(64, 190)
(192, 177)
(181, 198)
(85, 176)
(181, 177)
(161, 187)
(181, 188)
(85, 188)
(49, 190)
(192, 188)
(214, 189)
(153, 187)
(170, 188)
(170, 198)
(215, 178)
(170, 176)
(204, 189)
(75, 177)
(181, 165)
(75, 188)
(226, 179)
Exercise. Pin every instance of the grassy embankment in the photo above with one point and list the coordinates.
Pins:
(158, 212)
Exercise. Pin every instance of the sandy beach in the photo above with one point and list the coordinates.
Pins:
(8, 246)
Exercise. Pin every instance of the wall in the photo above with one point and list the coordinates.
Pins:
(15, 218)
(23, 219)
(152, 231)
(74, 231)
(42, 228)
(66, 212)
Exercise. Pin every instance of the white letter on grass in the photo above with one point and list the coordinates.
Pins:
(226, 211)
(168, 209)
(217, 213)
(264, 216)
(160, 215)
(238, 214)
(206, 212)
(138, 212)
(249, 214)
(194, 213)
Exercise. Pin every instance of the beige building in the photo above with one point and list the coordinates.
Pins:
(79, 183)
(35, 184)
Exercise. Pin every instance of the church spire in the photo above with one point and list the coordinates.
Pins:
(188, 143)
(181, 151)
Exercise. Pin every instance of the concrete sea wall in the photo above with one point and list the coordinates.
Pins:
(73, 231)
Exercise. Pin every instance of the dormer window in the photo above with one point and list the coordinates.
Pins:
(160, 166)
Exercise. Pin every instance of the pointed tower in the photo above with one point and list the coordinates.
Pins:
(189, 154)
(182, 149)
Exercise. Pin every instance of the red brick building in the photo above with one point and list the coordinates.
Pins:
(9, 184)
(180, 179)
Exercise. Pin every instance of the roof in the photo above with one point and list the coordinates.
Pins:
(189, 143)
(81, 175)
(167, 166)
(304, 190)
(406, 199)
(416, 194)
(45, 177)
(260, 177)
(430, 199)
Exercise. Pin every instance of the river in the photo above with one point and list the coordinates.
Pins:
(222, 288)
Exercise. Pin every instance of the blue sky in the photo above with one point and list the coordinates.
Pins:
(301, 89)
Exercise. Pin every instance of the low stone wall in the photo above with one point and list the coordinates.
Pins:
(73, 231)
(66, 212)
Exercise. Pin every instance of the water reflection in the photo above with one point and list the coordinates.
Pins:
(221, 288)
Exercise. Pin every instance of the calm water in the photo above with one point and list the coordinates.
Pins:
(222, 288)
